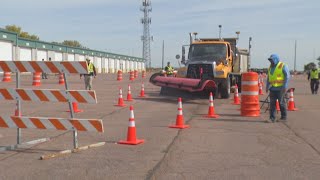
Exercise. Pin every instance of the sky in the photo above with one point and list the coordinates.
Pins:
(115, 26)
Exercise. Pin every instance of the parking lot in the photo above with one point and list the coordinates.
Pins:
(228, 147)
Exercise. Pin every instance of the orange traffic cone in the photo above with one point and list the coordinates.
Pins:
(16, 112)
(75, 108)
(236, 99)
(131, 134)
(6, 77)
(179, 119)
(260, 88)
(142, 90)
(277, 105)
(143, 74)
(120, 100)
(291, 105)
(36, 79)
(61, 78)
(131, 76)
(211, 113)
(119, 77)
(129, 97)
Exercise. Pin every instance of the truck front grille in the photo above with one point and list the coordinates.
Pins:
(194, 71)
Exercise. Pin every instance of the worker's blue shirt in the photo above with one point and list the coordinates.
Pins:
(286, 73)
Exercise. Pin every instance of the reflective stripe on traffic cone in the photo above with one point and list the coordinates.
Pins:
(129, 97)
(211, 113)
(131, 134)
(142, 90)
(36, 79)
(61, 78)
(120, 99)
(236, 99)
(6, 77)
(179, 119)
(291, 105)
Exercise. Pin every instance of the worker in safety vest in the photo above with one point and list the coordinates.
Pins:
(88, 77)
(169, 69)
(314, 75)
(277, 84)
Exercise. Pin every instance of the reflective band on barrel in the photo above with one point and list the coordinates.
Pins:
(249, 82)
(250, 93)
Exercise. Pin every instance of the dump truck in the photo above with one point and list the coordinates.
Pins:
(211, 65)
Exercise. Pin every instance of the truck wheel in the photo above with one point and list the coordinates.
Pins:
(225, 89)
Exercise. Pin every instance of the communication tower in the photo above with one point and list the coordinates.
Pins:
(146, 38)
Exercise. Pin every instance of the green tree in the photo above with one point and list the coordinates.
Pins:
(18, 30)
(309, 66)
(72, 43)
(319, 61)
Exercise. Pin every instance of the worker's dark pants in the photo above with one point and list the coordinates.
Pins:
(274, 95)
(314, 84)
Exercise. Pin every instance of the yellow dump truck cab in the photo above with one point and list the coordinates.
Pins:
(213, 59)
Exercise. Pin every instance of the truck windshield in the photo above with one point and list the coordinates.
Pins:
(208, 52)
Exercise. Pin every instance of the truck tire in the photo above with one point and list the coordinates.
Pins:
(224, 88)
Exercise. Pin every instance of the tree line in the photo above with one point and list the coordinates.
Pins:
(26, 35)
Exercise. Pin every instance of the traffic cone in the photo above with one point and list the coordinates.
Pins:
(211, 113)
(143, 74)
(129, 97)
(120, 100)
(179, 119)
(260, 88)
(142, 90)
(277, 105)
(16, 112)
(236, 99)
(36, 79)
(75, 108)
(131, 76)
(291, 105)
(6, 77)
(61, 78)
(131, 134)
(119, 77)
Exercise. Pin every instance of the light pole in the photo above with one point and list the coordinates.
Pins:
(249, 53)
(220, 31)
(237, 40)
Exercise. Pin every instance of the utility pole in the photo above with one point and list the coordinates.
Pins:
(295, 56)
(162, 54)
(220, 26)
(146, 38)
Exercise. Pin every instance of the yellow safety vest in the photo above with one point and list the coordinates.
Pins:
(169, 70)
(277, 78)
(314, 74)
(90, 68)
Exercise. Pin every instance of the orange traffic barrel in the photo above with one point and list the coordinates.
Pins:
(135, 74)
(250, 94)
(36, 79)
(119, 77)
(131, 76)
(6, 77)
